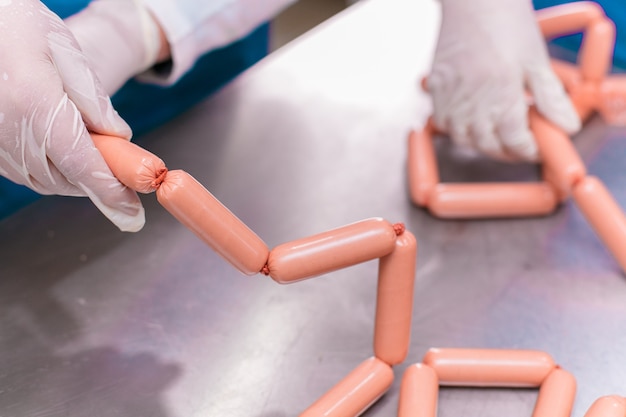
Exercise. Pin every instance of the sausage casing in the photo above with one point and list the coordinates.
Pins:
(604, 214)
(419, 391)
(608, 406)
(354, 394)
(394, 302)
(195, 207)
(567, 19)
(489, 367)
(422, 166)
(556, 395)
(483, 200)
(558, 154)
(132, 165)
(332, 250)
(596, 52)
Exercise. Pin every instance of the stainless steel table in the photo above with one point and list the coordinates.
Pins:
(95, 322)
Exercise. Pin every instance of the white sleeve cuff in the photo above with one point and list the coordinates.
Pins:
(196, 27)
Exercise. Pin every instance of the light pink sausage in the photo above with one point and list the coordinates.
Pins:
(332, 250)
(422, 166)
(607, 406)
(557, 153)
(604, 214)
(195, 207)
(568, 19)
(489, 367)
(394, 302)
(485, 200)
(354, 394)
(556, 395)
(132, 165)
(596, 52)
(419, 391)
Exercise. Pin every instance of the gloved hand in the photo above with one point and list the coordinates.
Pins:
(120, 39)
(488, 54)
(49, 97)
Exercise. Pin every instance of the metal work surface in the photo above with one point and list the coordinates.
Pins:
(95, 322)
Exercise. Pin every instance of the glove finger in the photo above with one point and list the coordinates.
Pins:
(512, 128)
(72, 151)
(484, 139)
(83, 87)
(553, 102)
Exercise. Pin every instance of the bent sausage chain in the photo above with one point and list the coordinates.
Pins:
(196, 208)
(419, 388)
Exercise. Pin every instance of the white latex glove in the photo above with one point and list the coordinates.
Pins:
(488, 54)
(119, 37)
(49, 97)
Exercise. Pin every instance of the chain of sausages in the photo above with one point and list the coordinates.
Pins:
(396, 248)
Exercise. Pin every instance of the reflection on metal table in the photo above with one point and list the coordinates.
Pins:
(101, 323)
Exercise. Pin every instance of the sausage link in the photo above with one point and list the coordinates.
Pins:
(489, 367)
(195, 207)
(567, 19)
(604, 214)
(483, 200)
(394, 302)
(419, 392)
(132, 165)
(422, 166)
(608, 406)
(354, 394)
(557, 153)
(332, 250)
(596, 52)
(556, 395)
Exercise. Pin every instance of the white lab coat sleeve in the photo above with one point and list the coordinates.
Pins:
(194, 27)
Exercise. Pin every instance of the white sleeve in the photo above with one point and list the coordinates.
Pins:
(194, 27)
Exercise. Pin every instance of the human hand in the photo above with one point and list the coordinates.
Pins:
(489, 53)
(49, 100)
(120, 39)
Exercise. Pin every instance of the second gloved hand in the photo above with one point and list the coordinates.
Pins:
(49, 99)
(488, 54)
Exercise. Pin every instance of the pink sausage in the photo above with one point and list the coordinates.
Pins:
(568, 19)
(195, 207)
(596, 52)
(608, 406)
(394, 302)
(604, 214)
(419, 391)
(557, 153)
(483, 200)
(355, 393)
(332, 250)
(556, 395)
(132, 165)
(422, 166)
(489, 367)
